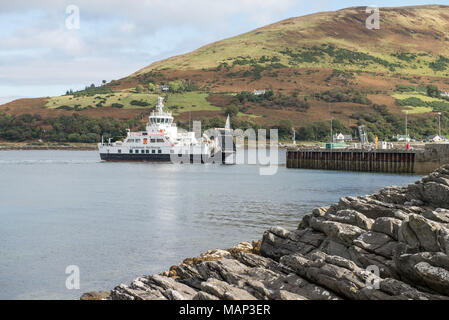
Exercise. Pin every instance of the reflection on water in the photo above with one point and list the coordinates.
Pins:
(117, 221)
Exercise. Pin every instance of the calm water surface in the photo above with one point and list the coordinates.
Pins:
(117, 221)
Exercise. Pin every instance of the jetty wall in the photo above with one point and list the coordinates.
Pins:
(421, 161)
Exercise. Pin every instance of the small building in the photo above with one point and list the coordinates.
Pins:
(164, 88)
(402, 138)
(259, 92)
(384, 145)
(340, 137)
(437, 138)
(444, 94)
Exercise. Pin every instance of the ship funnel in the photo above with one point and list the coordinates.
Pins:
(160, 104)
(228, 123)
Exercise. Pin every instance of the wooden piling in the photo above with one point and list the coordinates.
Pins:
(393, 161)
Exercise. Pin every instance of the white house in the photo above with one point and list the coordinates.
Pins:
(437, 138)
(403, 138)
(338, 137)
(258, 92)
(164, 87)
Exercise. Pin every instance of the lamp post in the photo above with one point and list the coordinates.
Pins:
(406, 129)
(439, 124)
(294, 136)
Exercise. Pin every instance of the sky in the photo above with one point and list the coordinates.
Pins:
(45, 52)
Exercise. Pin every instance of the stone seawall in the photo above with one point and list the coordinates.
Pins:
(393, 244)
(433, 156)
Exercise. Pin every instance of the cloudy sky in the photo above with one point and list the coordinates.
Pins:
(43, 53)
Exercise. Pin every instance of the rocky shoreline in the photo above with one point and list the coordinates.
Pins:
(393, 244)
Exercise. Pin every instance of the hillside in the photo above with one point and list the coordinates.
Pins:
(421, 30)
(312, 68)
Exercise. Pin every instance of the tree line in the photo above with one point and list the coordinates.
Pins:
(73, 128)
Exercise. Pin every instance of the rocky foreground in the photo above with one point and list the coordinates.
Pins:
(401, 232)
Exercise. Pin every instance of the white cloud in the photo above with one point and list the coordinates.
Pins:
(116, 38)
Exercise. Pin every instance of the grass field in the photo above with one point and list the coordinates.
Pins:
(177, 103)
(122, 97)
(189, 101)
(422, 97)
(252, 116)
(417, 109)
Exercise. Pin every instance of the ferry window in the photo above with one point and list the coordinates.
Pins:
(159, 151)
(153, 140)
(137, 151)
(145, 134)
(119, 151)
(153, 151)
(147, 151)
(130, 151)
(130, 140)
(137, 140)
(160, 140)
(142, 151)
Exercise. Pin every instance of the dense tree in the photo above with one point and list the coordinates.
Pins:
(152, 87)
(284, 129)
(433, 91)
(232, 111)
(74, 128)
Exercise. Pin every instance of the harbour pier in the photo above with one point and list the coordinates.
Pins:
(416, 161)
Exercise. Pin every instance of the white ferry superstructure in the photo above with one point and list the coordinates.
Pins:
(162, 142)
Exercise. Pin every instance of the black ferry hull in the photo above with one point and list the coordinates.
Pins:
(218, 158)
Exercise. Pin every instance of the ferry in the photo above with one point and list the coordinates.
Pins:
(162, 142)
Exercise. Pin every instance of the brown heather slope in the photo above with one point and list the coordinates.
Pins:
(303, 56)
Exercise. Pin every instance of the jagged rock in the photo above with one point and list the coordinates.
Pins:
(286, 295)
(225, 291)
(344, 279)
(96, 295)
(434, 194)
(393, 244)
(425, 269)
(201, 295)
(335, 248)
(351, 217)
(427, 235)
(278, 242)
(244, 246)
(388, 226)
(336, 231)
(439, 215)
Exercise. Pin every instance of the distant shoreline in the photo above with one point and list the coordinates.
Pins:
(48, 146)
(10, 146)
